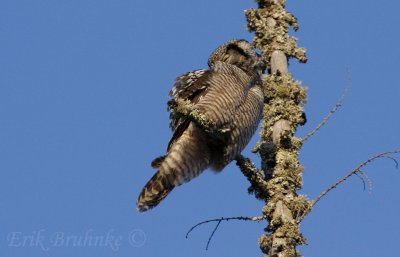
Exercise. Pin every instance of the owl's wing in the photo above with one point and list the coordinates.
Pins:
(189, 86)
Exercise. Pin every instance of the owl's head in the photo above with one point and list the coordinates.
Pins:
(239, 53)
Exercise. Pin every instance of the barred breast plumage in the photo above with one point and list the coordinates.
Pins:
(230, 95)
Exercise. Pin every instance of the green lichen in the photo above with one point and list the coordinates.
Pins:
(270, 38)
(284, 100)
(180, 107)
(299, 205)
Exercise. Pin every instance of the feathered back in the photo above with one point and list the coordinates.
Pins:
(230, 95)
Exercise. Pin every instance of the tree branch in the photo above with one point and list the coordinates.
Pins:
(257, 218)
(187, 109)
(254, 176)
(283, 112)
(334, 109)
(355, 171)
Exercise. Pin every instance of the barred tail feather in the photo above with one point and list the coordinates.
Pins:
(154, 192)
(187, 158)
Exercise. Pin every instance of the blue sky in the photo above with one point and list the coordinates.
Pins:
(83, 91)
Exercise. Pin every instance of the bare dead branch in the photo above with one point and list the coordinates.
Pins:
(257, 218)
(256, 178)
(334, 109)
(212, 234)
(356, 171)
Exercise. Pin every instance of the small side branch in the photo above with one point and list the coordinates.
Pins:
(254, 176)
(187, 109)
(356, 171)
(257, 218)
(334, 109)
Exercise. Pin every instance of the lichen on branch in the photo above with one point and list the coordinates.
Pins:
(284, 99)
(270, 23)
(185, 108)
(283, 113)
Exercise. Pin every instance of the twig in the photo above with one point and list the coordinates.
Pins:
(393, 159)
(334, 109)
(365, 179)
(212, 234)
(362, 180)
(356, 171)
(257, 218)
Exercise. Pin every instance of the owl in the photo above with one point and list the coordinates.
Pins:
(229, 94)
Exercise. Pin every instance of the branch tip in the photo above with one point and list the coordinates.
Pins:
(357, 171)
(219, 221)
(338, 104)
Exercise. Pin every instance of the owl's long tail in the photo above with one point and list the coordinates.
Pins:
(187, 157)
